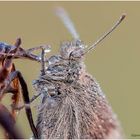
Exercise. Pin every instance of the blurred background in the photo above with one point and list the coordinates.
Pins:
(115, 63)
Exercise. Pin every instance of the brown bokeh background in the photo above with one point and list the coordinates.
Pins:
(115, 63)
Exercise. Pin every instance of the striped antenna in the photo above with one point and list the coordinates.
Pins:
(106, 34)
(63, 15)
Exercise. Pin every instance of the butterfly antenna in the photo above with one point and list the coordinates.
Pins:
(106, 34)
(63, 15)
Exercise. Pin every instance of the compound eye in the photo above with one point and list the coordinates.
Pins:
(77, 53)
(54, 59)
(59, 68)
(55, 69)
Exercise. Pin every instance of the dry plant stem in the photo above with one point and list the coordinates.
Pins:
(8, 123)
(17, 52)
(26, 105)
(26, 99)
(10, 80)
(42, 73)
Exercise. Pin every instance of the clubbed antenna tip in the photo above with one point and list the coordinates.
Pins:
(123, 16)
